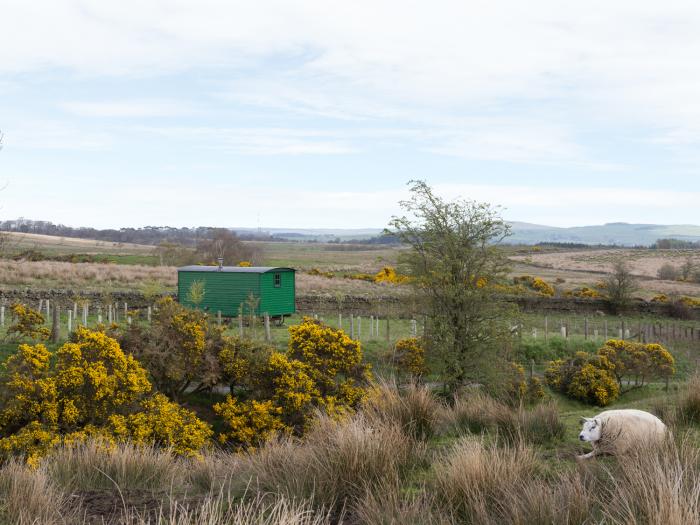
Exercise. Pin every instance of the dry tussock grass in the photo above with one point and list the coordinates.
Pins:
(478, 412)
(373, 468)
(28, 496)
(473, 478)
(85, 276)
(102, 466)
(414, 408)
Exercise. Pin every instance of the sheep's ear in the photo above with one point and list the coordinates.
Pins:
(585, 419)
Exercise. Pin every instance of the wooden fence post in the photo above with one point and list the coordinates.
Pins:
(268, 334)
(2, 315)
(55, 326)
(70, 321)
(546, 328)
(352, 327)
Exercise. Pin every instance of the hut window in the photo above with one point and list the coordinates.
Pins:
(278, 280)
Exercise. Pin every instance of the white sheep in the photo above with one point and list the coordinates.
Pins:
(620, 431)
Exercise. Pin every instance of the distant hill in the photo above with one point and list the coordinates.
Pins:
(616, 233)
(619, 233)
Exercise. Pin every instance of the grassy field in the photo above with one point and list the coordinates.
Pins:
(586, 267)
(568, 270)
(19, 242)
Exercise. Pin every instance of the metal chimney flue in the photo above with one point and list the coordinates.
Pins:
(220, 260)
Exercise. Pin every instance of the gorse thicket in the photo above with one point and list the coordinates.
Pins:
(91, 388)
(599, 378)
(88, 388)
(322, 369)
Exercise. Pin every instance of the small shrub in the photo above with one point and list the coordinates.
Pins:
(668, 272)
(410, 356)
(388, 274)
(514, 385)
(28, 324)
(535, 284)
(585, 377)
(535, 390)
(642, 362)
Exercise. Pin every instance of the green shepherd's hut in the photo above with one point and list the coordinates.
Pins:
(228, 288)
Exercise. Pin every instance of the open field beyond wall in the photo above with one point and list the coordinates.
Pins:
(567, 269)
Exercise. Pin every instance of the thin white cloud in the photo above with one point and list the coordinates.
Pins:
(127, 108)
(260, 141)
(55, 135)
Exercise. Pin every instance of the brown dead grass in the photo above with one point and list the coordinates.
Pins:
(587, 267)
(84, 276)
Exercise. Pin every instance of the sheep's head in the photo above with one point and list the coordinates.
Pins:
(592, 429)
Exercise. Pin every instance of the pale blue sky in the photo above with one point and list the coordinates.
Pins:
(315, 114)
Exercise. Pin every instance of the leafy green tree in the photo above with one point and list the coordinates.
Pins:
(453, 260)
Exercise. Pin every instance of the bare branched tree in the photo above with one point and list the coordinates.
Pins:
(620, 285)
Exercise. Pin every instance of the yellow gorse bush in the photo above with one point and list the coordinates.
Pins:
(162, 422)
(535, 284)
(249, 422)
(88, 387)
(637, 361)
(27, 323)
(323, 369)
(588, 378)
(585, 293)
(410, 356)
(388, 274)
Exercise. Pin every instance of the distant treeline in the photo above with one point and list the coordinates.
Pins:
(675, 244)
(153, 235)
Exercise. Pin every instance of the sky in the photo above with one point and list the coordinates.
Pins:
(315, 114)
